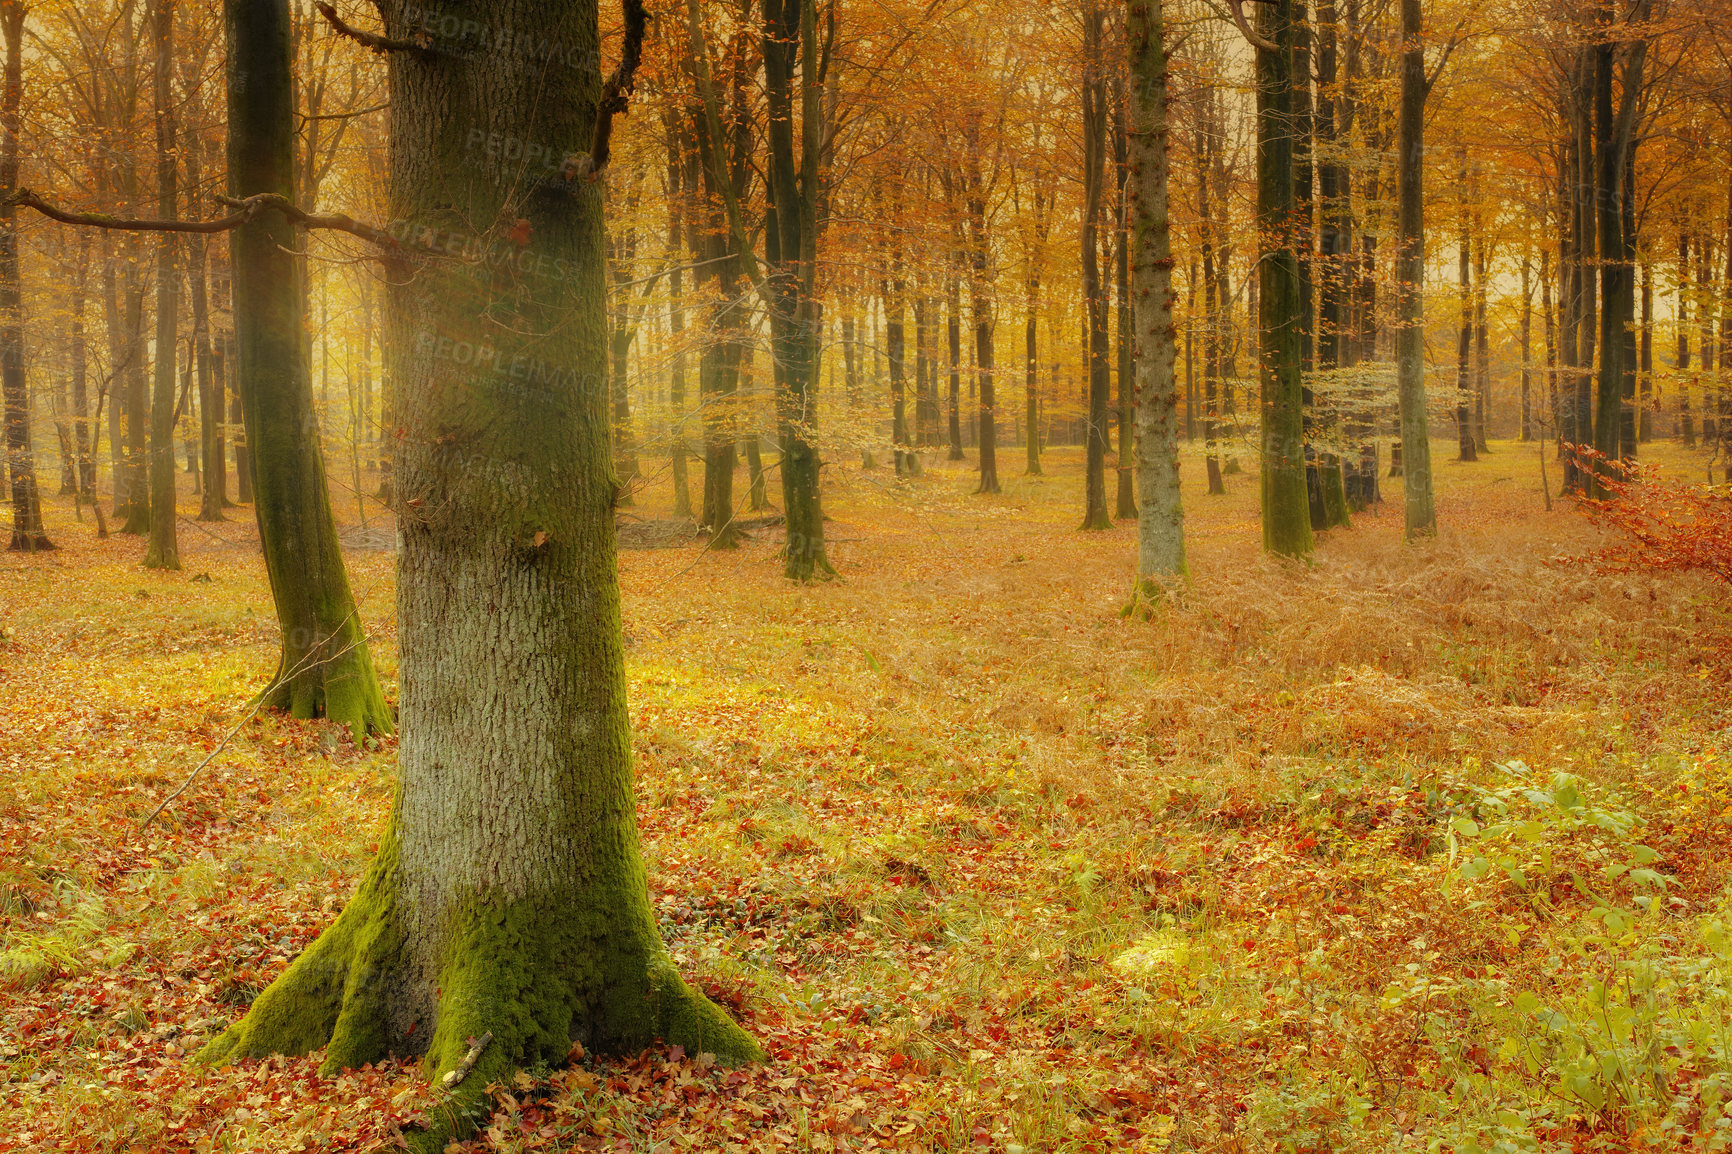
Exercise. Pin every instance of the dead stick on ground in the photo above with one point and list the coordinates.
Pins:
(248, 716)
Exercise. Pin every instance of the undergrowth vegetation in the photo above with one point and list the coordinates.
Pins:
(1413, 849)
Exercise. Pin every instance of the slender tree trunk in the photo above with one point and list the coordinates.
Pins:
(1094, 140)
(1608, 398)
(1126, 508)
(1214, 310)
(163, 550)
(1646, 400)
(954, 309)
(752, 440)
(1481, 348)
(677, 194)
(81, 429)
(1161, 518)
(1281, 303)
(28, 534)
(980, 285)
(1464, 349)
(1420, 512)
(1686, 423)
(1031, 358)
(325, 669)
(1527, 333)
(214, 489)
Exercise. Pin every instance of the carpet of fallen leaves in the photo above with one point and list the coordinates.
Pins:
(983, 863)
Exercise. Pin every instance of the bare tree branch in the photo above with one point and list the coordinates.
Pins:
(370, 40)
(615, 95)
(247, 209)
(1238, 9)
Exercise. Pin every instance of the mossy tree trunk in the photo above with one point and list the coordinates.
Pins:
(1281, 308)
(325, 669)
(163, 550)
(509, 894)
(1161, 516)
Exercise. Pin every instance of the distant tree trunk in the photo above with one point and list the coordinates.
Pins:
(1610, 146)
(81, 429)
(1548, 307)
(1420, 512)
(1527, 333)
(28, 534)
(1094, 142)
(163, 550)
(954, 309)
(325, 669)
(980, 287)
(896, 347)
(1586, 253)
(1707, 299)
(1686, 424)
(1031, 357)
(677, 195)
(137, 403)
(507, 898)
(1464, 355)
(1723, 409)
(1646, 402)
(210, 400)
(1481, 348)
(622, 263)
(1161, 518)
(1281, 304)
(1213, 300)
(757, 491)
(1126, 508)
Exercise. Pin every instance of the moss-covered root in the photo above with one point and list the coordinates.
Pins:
(1150, 597)
(512, 977)
(334, 993)
(343, 688)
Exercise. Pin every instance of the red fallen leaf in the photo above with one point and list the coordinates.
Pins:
(520, 232)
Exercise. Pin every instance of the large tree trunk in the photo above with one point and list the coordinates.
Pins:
(325, 669)
(1420, 513)
(163, 550)
(27, 531)
(508, 898)
(1286, 514)
(1161, 517)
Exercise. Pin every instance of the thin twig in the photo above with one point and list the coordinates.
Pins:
(248, 716)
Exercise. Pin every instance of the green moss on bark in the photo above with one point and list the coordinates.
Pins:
(333, 993)
(344, 687)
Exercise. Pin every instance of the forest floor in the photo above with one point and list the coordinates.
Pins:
(1413, 848)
